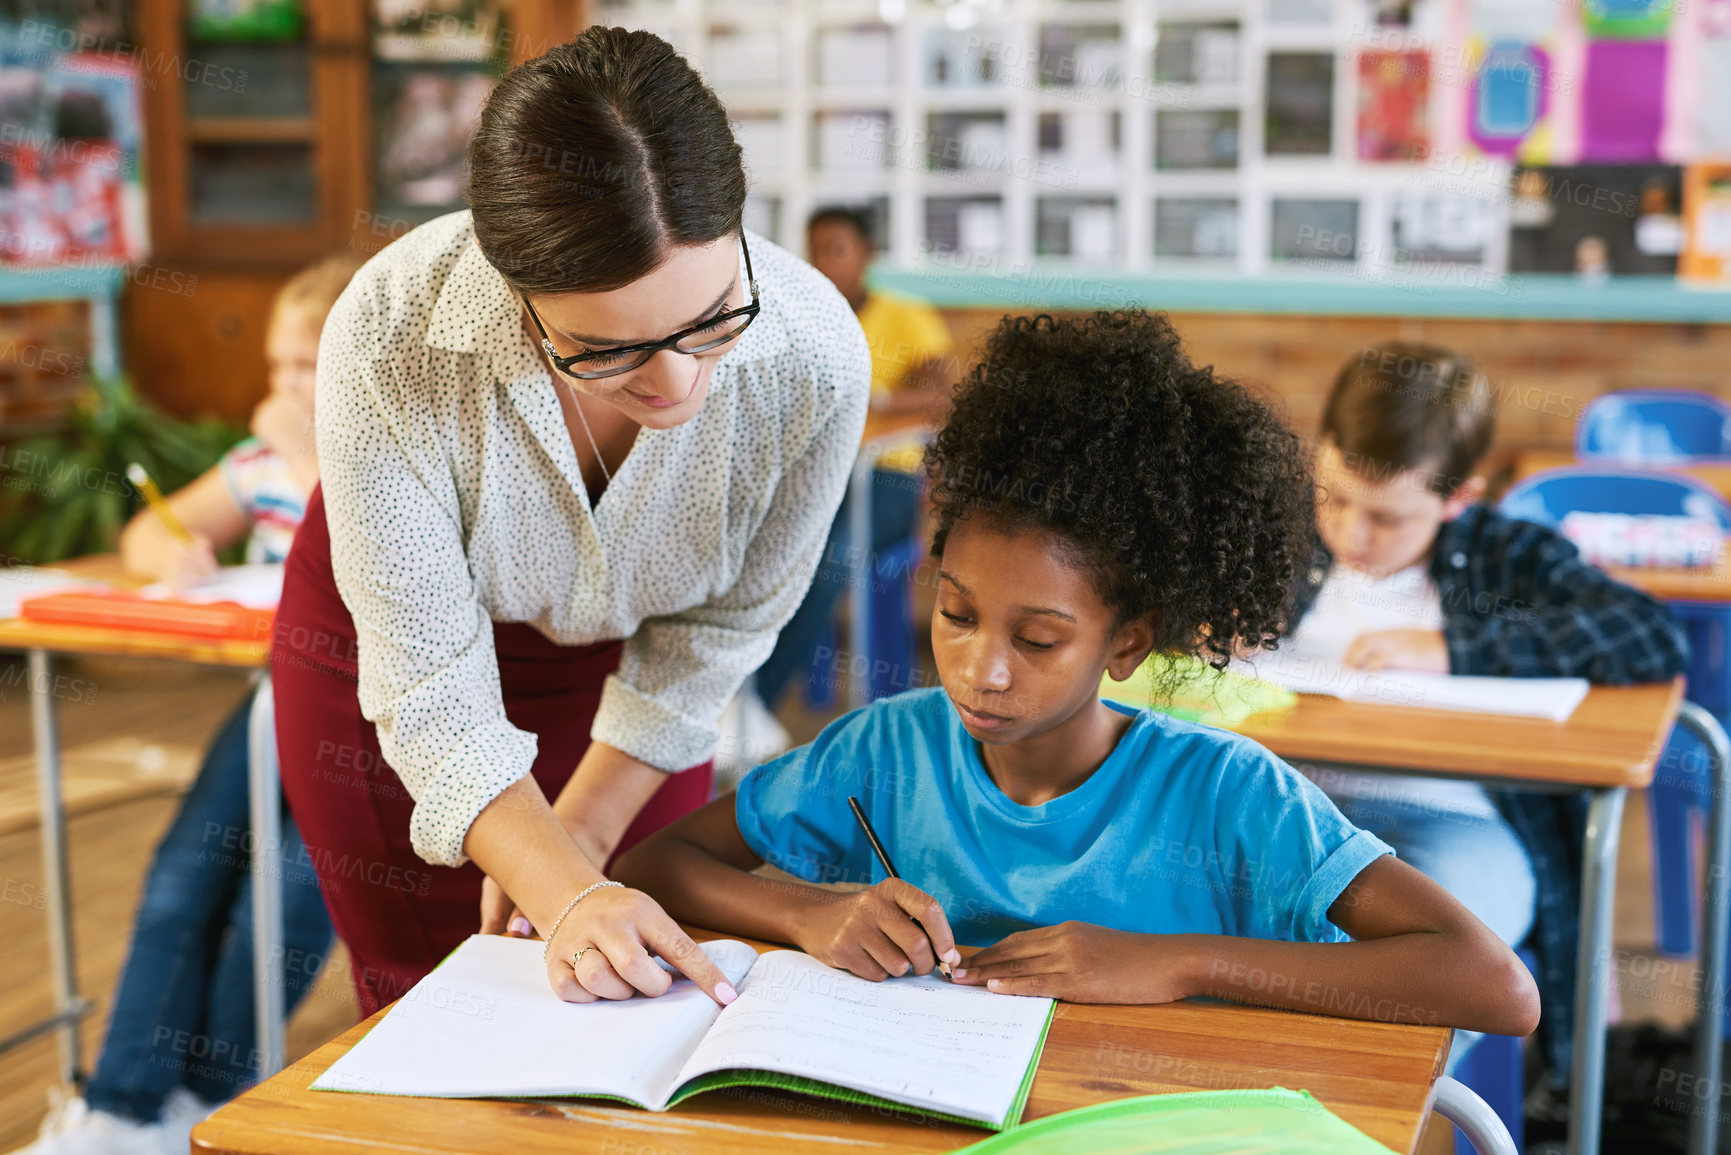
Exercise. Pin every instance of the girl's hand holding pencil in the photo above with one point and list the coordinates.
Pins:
(873, 933)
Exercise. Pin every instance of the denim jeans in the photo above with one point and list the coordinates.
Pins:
(183, 1012)
(895, 507)
(1476, 857)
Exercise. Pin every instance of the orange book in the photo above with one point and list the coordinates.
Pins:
(124, 610)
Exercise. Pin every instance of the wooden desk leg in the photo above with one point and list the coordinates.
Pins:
(56, 878)
(1715, 926)
(264, 805)
(860, 562)
(1598, 893)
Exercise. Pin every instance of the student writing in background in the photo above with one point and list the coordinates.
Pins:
(1098, 498)
(180, 1036)
(1412, 572)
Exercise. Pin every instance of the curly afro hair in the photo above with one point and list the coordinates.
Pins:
(1188, 498)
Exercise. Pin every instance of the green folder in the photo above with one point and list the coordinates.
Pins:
(1275, 1121)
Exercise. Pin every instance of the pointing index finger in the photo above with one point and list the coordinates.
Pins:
(684, 955)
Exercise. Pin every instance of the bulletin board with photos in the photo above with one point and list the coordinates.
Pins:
(1447, 141)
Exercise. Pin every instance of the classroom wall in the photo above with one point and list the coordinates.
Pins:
(1545, 372)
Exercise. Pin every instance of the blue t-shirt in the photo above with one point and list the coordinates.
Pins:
(1183, 829)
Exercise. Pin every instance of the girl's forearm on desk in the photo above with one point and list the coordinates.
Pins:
(1428, 978)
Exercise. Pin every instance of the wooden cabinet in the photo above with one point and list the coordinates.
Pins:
(260, 158)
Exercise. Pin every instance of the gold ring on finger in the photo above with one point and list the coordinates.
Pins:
(578, 957)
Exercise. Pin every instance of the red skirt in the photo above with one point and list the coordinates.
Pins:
(397, 914)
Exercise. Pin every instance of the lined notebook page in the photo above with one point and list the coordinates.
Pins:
(485, 1022)
(920, 1040)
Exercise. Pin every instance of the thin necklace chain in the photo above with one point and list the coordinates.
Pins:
(577, 403)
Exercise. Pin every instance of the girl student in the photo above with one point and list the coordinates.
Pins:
(1098, 498)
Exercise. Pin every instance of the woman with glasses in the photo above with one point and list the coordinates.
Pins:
(581, 446)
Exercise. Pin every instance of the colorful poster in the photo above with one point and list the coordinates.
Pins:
(1510, 97)
(61, 204)
(1393, 105)
(1623, 100)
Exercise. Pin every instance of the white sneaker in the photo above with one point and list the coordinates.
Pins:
(181, 1112)
(72, 1128)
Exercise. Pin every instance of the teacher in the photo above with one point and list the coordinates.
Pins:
(580, 445)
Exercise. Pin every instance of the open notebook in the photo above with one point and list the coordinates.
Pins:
(1553, 699)
(485, 1023)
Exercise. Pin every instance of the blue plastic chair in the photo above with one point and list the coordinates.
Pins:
(1676, 801)
(1654, 427)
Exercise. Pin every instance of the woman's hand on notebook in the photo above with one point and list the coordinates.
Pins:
(884, 931)
(603, 947)
(1083, 963)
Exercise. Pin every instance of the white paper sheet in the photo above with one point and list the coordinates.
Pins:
(257, 586)
(25, 581)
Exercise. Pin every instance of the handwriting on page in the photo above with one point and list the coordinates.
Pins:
(956, 1049)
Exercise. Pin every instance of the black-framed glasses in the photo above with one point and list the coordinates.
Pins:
(711, 334)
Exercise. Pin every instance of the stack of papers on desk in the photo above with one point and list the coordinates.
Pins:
(1553, 699)
(257, 587)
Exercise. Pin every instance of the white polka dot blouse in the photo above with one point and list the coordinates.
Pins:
(454, 500)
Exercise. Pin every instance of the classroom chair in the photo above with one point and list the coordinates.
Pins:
(1654, 427)
(1677, 800)
(889, 652)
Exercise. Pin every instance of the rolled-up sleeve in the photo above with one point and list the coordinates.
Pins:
(677, 673)
(428, 676)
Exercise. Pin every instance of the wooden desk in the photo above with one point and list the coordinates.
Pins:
(1704, 583)
(1376, 1076)
(1613, 738)
(1610, 743)
(41, 641)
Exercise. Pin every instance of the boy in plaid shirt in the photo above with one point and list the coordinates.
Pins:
(1411, 571)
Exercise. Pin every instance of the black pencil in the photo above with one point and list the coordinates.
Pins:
(890, 869)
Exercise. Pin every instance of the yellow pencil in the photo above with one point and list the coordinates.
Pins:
(153, 497)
